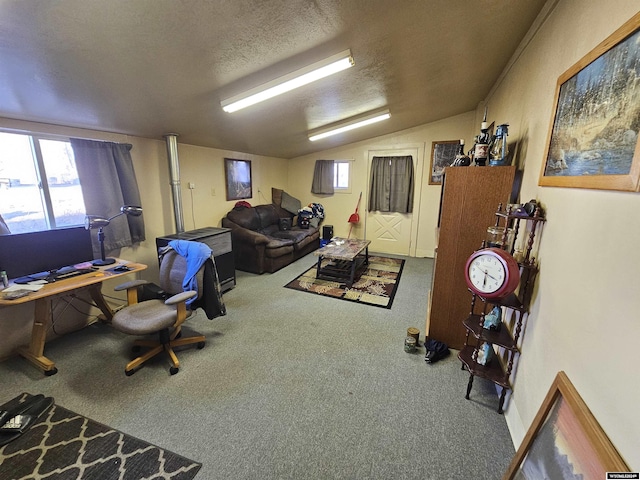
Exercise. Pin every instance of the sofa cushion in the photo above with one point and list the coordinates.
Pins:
(295, 235)
(268, 215)
(290, 204)
(270, 230)
(245, 217)
(278, 247)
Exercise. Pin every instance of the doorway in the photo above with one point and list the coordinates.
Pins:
(393, 232)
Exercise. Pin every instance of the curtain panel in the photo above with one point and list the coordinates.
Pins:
(108, 181)
(323, 177)
(392, 184)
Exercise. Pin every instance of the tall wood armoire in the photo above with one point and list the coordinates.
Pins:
(469, 200)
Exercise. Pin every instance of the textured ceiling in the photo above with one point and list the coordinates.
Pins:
(151, 67)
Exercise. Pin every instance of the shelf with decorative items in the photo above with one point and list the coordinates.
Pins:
(500, 278)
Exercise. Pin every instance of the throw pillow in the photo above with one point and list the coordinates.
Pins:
(314, 222)
(290, 204)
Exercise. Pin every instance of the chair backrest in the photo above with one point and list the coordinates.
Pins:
(173, 268)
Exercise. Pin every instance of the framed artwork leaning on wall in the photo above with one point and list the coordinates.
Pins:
(564, 441)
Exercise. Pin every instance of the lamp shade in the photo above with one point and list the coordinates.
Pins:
(95, 221)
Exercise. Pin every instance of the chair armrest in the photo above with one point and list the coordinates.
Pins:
(180, 297)
(131, 284)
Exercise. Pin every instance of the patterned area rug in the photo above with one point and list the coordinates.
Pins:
(376, 285)
(65, 445)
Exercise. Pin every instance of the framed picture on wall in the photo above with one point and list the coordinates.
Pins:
(594, 139)
(443, 153)
(238, 179)
(564, 441)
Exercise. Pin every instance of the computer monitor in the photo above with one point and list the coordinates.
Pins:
(26, 253)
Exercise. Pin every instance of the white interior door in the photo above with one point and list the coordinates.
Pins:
(392, 232)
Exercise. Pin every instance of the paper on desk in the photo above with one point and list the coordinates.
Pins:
(28, 286)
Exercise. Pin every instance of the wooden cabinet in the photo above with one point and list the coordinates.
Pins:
(467, 207)
(514, 308)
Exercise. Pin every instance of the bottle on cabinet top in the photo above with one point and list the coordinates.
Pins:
(482, 144)
(461, 160)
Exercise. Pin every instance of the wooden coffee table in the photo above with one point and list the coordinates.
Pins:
(345, 259)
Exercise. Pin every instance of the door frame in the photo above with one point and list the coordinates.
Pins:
(416, 150)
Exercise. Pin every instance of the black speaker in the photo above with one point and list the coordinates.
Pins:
(327, 232)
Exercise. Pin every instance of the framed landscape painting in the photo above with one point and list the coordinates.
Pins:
(238, 179)
(593, 140)
(565, 441)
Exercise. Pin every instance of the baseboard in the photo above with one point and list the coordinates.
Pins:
(424, 253)
(514, 424)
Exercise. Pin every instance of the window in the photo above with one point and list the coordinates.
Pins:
(39, 185)
(342, 176)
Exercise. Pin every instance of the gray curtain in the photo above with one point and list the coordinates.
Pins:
(392, 184)
(105, 170)
(323, 177)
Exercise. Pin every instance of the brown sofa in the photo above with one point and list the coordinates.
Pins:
(259, 243)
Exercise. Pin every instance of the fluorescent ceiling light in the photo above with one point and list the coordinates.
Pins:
(350, 125)
(303, 76)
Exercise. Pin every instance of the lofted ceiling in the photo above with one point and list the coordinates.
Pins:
(151, 67)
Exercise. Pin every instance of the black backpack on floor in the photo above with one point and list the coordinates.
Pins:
(436, 350)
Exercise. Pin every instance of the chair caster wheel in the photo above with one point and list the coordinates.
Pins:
(174, 370)
(200, 345)
(128, 373)
(53, 371)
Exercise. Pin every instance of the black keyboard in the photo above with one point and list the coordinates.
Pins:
(53, 275)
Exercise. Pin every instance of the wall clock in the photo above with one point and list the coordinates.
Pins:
(492, 273)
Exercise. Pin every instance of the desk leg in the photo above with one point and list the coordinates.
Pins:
(35, 352)
(96, 295)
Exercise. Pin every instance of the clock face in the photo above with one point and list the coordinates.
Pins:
(492, 273)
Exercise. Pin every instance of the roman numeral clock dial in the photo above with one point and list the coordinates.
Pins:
(492, 273)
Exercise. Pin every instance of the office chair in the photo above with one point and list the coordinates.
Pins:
(165, 317)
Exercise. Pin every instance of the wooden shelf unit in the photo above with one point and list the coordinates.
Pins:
(500, 368)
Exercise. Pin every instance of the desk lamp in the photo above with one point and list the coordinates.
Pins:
(95, 221)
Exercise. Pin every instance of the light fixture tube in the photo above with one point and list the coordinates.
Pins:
(286, 83)
(345, 127)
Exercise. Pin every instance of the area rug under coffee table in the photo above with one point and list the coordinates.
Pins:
(65, 445)
(376, 285)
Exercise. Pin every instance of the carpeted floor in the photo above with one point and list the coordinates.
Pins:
(376, 285)
(65, 445)
(289, 386)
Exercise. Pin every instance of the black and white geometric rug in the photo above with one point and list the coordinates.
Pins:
(65, 445)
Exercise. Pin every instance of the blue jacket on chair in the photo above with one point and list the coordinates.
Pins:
(196, 253)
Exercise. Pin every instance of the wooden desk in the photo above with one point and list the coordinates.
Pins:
(91, 282)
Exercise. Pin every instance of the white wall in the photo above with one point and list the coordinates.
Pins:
(339, 207)
(584, 319)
